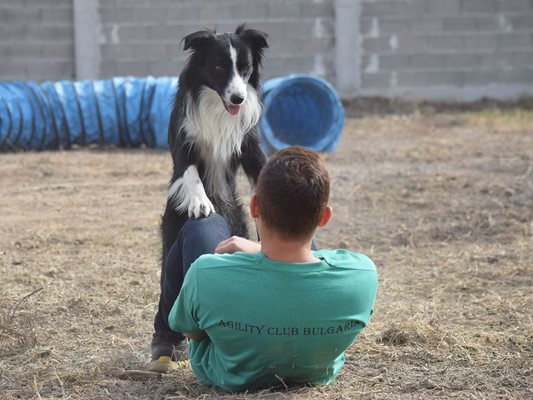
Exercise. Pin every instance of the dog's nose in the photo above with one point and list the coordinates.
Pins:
(236, 99)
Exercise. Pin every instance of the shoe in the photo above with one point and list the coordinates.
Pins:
(167, 354)
(175, 351)
(165, 364)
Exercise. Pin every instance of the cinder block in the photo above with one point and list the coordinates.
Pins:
(149, 51)
(514, 41)
(460, 24)
(425, 25)
(489, 23)
(411, 43)
(523, 59)
(4, 50)
(49, 3)
(50, 70)
(380, 80)
(506, 6)
(165, 68)
(521, 22)
(313, 9)
(13, 69)
(249, 11)
(133, 33)
(480, 78)
(182, 12)
(302, 28)
(327, 27)
(282, 9)
(393, 62)
(11, 4)
(430, 78)
(481, 42)
(440, 7)
(522, 75)
(121, 51)
(496, 60)
(397, 8)
(366, 26)
(10, 32)
(453, 61)
(214, 13)
(446, 42)
(166, 33)
(397, 25)
(152, 15)
(57, 15)
(58, 51)
(114, 15)
(18, 15)
(49, 32)
(107, 69)
(376, 45)
(478, 6)
(426, 61)
(314, 46)
(18, 51)
(134, 68)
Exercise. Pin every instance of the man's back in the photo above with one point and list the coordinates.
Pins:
(269, 321)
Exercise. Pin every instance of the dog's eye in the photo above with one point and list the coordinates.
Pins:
(219, 68)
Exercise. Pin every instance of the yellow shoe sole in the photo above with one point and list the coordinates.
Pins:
(165, 364)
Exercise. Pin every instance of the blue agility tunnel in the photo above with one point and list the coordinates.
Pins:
(124, 112)
(300, 110)
(134, 112)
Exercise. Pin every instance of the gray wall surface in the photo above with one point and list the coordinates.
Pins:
(436, 49)
(447, 48)
(36, 39)
(143, 37)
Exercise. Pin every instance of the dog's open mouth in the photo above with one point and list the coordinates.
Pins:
(233, 109)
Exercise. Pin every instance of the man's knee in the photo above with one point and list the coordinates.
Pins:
(204, 226)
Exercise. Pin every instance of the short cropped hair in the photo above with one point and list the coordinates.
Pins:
(292, 192)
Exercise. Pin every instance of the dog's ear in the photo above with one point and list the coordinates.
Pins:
(197, 39)
(256, 39)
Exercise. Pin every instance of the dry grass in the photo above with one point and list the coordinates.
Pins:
(442, 202)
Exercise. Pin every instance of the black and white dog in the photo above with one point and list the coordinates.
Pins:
(212, 129)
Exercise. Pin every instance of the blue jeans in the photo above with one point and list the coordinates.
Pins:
(196, 237)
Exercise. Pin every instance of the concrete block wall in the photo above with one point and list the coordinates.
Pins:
(141, 37)
(446, 49)
(435, 49)
(36, 39)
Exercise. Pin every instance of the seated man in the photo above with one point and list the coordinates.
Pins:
(272, 312)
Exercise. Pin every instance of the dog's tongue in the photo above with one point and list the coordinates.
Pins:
(233, 109)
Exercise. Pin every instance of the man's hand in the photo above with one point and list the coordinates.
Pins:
(237, 243)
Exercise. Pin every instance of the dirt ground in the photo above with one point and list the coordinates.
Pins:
(443, 203)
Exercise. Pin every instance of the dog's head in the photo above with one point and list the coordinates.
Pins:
(226, 62)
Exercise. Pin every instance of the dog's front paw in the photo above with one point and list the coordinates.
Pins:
(199, 206)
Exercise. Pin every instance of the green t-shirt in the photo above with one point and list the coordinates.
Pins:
(269, 321)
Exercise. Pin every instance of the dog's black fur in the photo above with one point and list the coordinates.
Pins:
(211, 69)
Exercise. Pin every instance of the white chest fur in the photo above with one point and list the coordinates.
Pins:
(218, 134)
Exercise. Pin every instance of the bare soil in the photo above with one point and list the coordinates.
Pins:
(443, 203)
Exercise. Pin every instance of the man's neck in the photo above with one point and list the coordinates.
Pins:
(291, 251)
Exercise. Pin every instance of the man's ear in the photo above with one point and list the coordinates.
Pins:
(197, 39)
(254, 207)
(326, 216)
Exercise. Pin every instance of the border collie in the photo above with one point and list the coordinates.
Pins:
(212, 129)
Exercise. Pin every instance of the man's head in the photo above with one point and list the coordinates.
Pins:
(292, 193)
